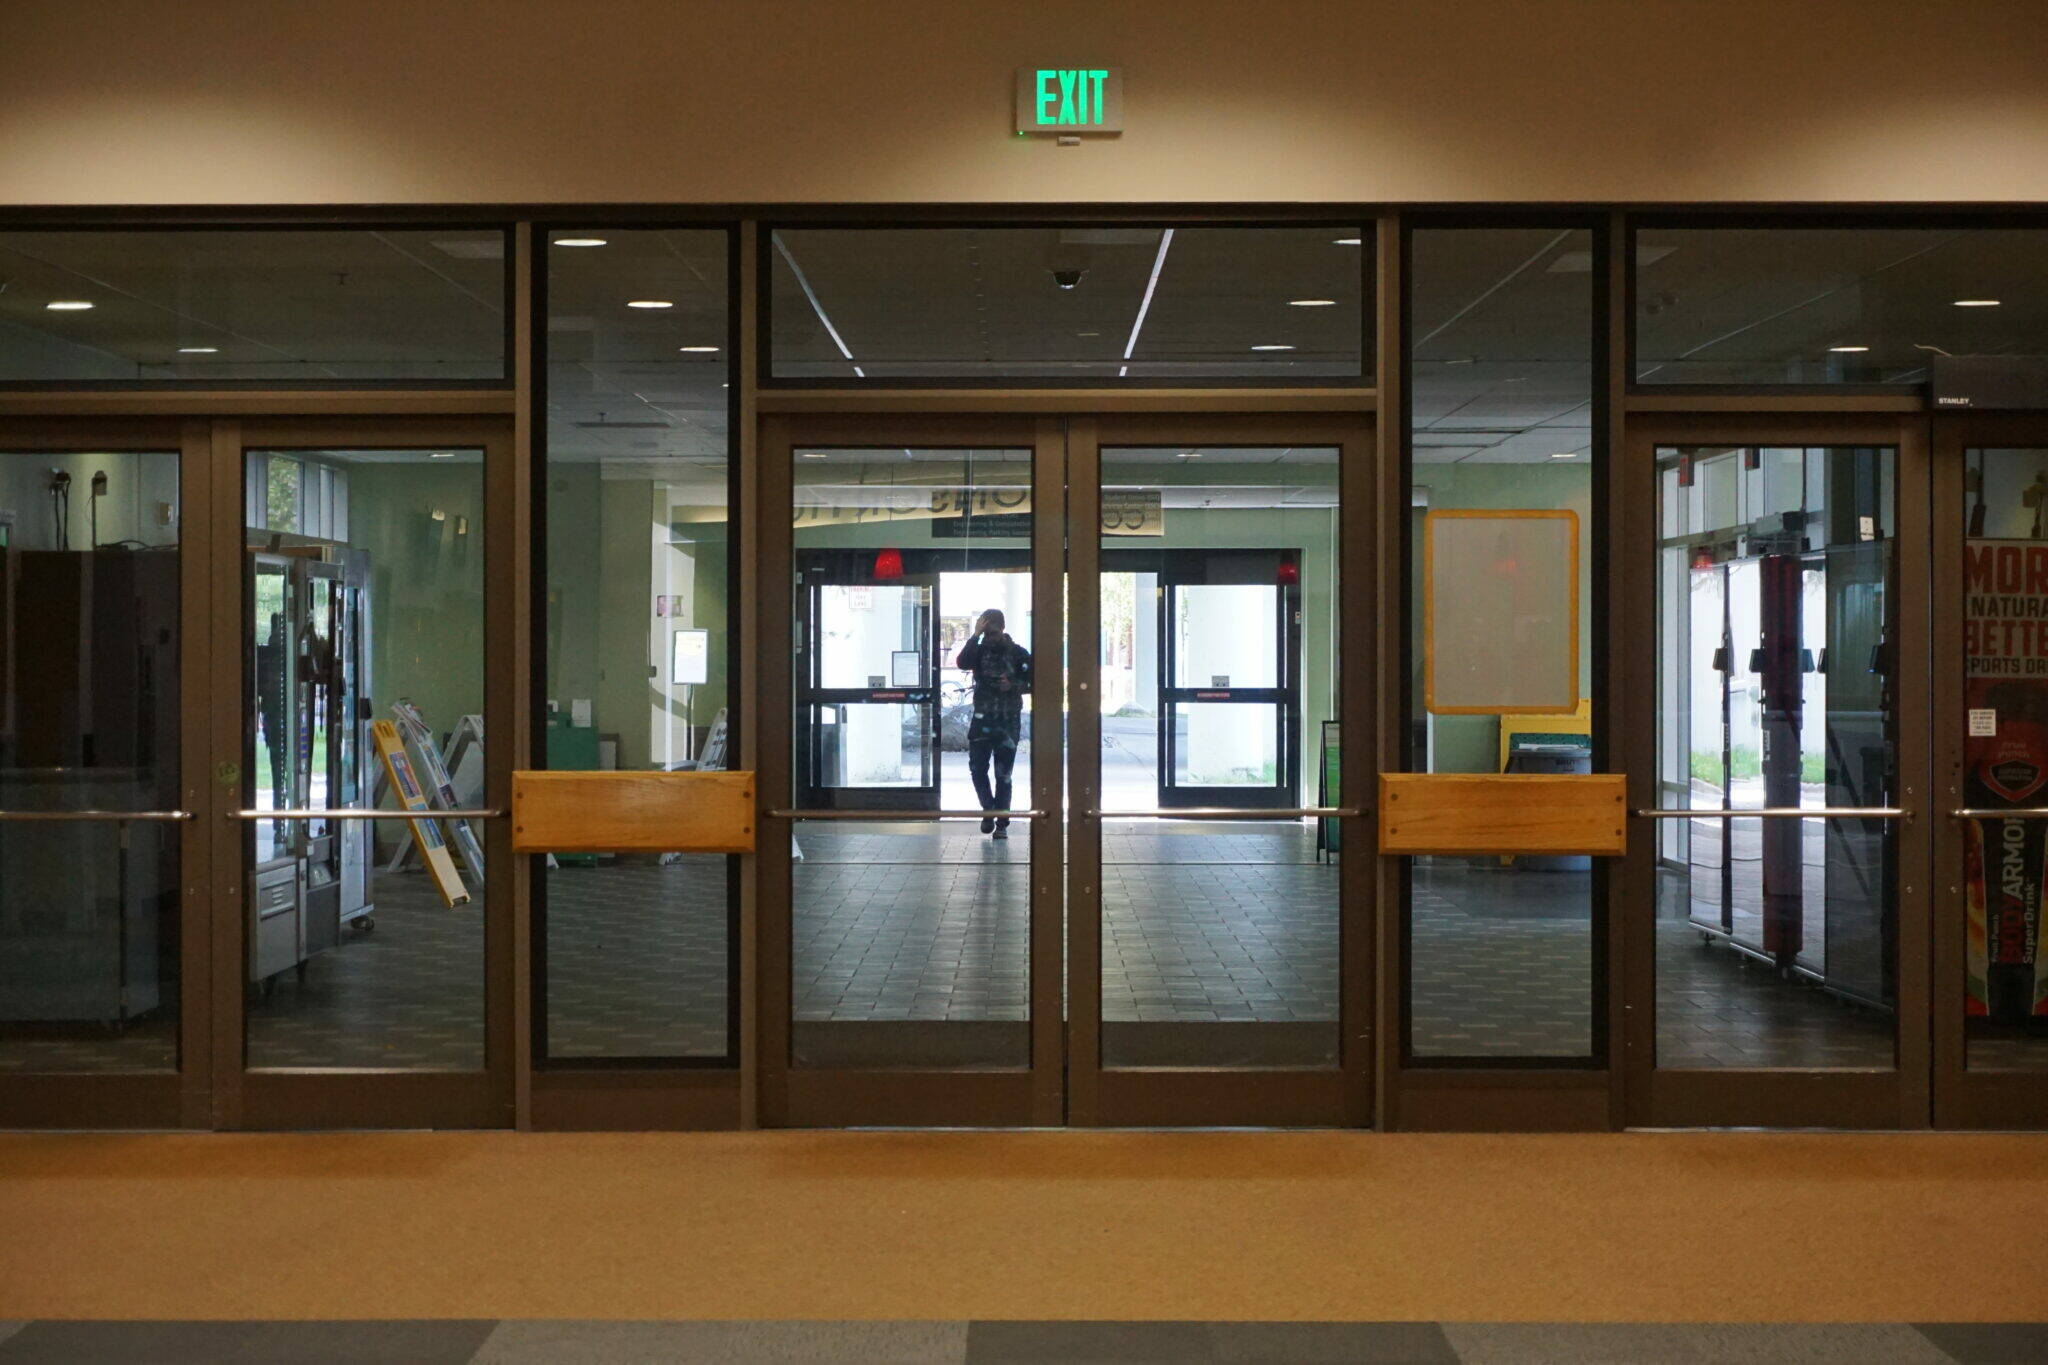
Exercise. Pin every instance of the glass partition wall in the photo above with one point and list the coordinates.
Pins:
(634, 952)
(1171, 916)
(1504, 954)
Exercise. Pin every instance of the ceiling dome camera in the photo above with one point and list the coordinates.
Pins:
(1066, 277)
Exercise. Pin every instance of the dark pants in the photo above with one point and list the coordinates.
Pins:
(992, 741)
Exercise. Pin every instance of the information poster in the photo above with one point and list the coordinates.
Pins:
(2005, 646)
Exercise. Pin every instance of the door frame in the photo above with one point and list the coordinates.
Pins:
(180, 1097)
(1964, 1098)
(1895, 1097)
(305, 1098)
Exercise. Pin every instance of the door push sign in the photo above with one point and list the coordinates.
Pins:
(1070, 101)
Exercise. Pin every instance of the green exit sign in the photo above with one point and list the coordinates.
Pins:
(1066, 101)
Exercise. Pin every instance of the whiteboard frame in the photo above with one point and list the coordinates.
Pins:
(1429, 520)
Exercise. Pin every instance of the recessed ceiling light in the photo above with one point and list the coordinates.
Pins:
(1272, 347)
(1976, 303)
(699, 350)
(199, 350)
(444, 454)
(1848, 349)
(1311, 303)
(1560, 454)
(814, 454)
(67, 305)
(579, 241)
(649, 303)
(1087, 334)
(1191, 454)
(1349, 241)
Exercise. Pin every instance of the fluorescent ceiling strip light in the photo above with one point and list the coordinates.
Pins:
(804, 283)
(1145, 305)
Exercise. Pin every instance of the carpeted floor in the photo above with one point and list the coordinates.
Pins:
(1316, 1226)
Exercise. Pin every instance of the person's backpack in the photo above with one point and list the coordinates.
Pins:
(1000, 670)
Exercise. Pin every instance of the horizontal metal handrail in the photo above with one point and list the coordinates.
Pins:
(1226, 813)
(25, 816)
(881, 816)
(366, 815)
(1782, 813)
(1987, 813)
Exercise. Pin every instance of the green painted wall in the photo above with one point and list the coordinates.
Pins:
(426, 584)
(614, 546)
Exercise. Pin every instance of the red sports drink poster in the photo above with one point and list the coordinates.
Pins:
(2005, 645)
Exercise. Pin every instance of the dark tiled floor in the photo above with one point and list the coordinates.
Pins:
(1203, 925)
(1014, 1343)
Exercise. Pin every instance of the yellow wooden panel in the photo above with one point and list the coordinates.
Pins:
(626, 812)
(1503, 813)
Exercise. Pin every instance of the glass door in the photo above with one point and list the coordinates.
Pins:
(1991, 745)
(1775, 953)
(1150, 923)
(103, 629)
(867, 649)
(1218, 934)
(1231, 634)
(363, 906)
(911, 933)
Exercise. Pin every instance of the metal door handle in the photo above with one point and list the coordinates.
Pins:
(1783, 813)
(365, 814)
(29, 816)
(2016, 813)
(1225, 813)
(879, 816)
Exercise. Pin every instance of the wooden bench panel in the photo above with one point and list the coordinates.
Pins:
(1503, 813)
(629, 812)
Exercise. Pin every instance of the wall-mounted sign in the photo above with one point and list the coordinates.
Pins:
(690, 658)
(1063, 101)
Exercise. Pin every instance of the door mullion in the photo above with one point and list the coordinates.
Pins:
(1084, 768)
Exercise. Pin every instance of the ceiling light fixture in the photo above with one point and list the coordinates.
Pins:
(1311, 303)
(1976, 303)
(444, 455)
(699, 350)
(67, 305)
(199, 350)
(1561, 454)
(1145, 304)
(1349, 241)
(579, 241)
(1191, 454)
(1847, 350)
(804, 283)
(1272, 346)
(649, 303)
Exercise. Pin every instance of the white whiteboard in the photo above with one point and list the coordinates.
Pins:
(1500, 612)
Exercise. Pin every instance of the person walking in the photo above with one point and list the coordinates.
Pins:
(1002, 676)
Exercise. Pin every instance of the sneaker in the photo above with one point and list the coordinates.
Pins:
(1000, 833)
(988, 824)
